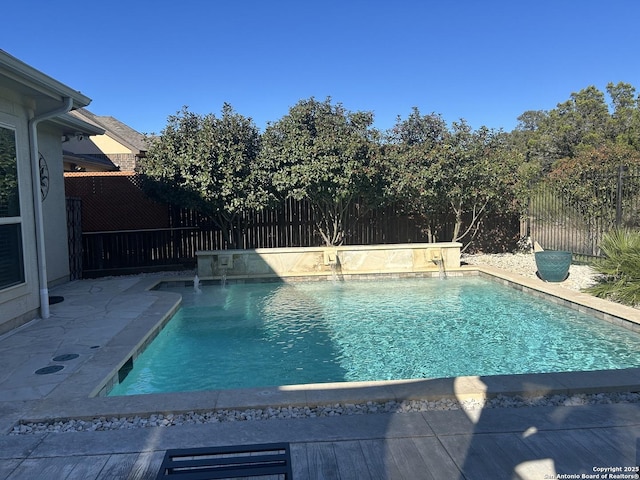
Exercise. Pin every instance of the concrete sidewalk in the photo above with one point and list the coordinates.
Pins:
(104, 321)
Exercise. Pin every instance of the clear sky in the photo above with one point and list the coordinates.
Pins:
(486, 61)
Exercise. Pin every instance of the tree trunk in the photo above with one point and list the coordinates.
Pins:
(477, 215)
(230, 228)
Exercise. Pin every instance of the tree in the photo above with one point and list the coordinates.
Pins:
(532, 138)
(324, 154)
(209, 164)
(625, 119)
(442, 173)
(412, 147)
(476, 174)
(582, 123)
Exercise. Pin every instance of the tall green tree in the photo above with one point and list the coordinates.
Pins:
(458, 173)
(477, 174)
(322, 153)
(412, 147)
(208, 163)
(532, 138)
(582, 121)
(625, 118)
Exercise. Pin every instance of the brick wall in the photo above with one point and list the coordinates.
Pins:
(126, 161)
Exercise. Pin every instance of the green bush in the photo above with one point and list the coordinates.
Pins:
(620, 268)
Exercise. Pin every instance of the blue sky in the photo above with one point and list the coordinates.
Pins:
(485, 61)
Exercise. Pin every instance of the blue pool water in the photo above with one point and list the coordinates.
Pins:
(267, 334)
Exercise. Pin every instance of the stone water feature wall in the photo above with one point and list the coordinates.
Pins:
(318, 261)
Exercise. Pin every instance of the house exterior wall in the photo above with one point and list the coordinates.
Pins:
(53, 207)
(103, 146)
(19, 303)
(126, 161)
(108, 145)
(96, 145)
(25, 94)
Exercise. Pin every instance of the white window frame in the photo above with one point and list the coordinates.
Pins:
(17, 220)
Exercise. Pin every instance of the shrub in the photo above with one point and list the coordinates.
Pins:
(620, 268)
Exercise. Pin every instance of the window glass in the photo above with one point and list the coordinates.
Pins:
(11, 260)
(9, 199)
(11, 266)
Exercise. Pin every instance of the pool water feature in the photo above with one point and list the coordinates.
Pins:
(269, 334)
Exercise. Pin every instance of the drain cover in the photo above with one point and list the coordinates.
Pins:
(66, 357)
(50, 369)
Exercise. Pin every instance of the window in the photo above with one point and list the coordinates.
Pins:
(11, 260)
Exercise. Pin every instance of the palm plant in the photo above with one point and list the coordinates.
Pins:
(620, 268)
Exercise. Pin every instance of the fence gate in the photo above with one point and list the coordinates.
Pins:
(74, 233)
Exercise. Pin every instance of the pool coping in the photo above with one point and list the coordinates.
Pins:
(75, 397)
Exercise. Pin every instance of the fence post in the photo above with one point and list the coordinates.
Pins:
(621, 170)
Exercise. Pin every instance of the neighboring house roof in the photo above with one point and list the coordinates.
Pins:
(73, 126)
(114, 128)
(49, 93)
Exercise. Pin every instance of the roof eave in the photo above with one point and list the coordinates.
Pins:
(39, 82)
(73, 125)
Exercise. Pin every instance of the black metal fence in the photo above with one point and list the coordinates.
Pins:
(576, 218)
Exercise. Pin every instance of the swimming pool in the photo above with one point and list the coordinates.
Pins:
(267, 334)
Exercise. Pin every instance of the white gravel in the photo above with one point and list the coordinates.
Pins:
(580, 276)
(219, 416)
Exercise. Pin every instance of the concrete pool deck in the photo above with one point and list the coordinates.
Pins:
(103, 321)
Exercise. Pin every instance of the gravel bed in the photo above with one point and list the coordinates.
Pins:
(219, 416)
(580, 276)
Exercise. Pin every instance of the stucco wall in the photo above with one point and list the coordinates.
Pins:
(106, 144)
(19, 303)
(53, 207)
(97, 144)
(323, 261)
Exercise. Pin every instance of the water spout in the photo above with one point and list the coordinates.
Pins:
(225, 262)
(331, 259)
(196, 284)
(439, 261)
(334, 272)
(331, 256)
(223, 277)
(442, 274)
